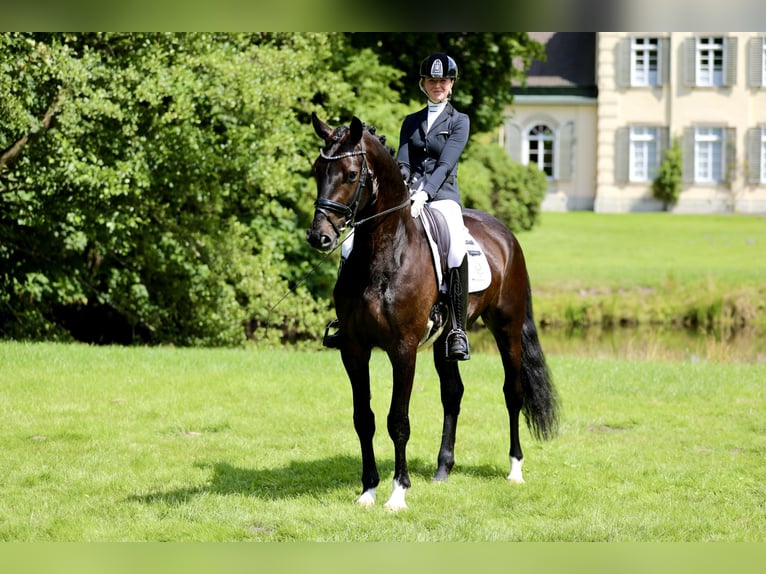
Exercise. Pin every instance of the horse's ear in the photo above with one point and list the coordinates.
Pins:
(321, 128)
(357, 127)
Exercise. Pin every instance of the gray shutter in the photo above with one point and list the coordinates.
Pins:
(730, 169)
(663, 143)
(730, 59)
(622, 72)
(664, 61)
(753, 159)
(688, 157)
(566, 151)
(621, 154)
(690, 62)
(513, 140)
(755, 75)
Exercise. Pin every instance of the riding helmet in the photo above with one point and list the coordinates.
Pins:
(438, 65)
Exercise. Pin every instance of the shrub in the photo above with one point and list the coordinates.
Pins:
(666, 187)
(492, 182)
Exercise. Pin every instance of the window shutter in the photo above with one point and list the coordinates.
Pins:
(663, 141)
(688, 158)
(566, 151)
(513, 140)
(730, 169)
(753, 155)
(621, 154)
(664, 61)
(755, 75)
(690, 62)
(623, 71)
(730, 55)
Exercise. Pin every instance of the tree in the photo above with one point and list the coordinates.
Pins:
(666, 186)
(157, 184)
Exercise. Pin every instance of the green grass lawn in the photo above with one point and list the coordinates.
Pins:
(163, 444)
(591, 250)
(590, 269)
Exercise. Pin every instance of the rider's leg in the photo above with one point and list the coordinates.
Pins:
(457, 280)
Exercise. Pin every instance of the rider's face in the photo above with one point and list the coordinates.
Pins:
(438, 89)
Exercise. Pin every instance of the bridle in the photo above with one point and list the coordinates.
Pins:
(349, 211)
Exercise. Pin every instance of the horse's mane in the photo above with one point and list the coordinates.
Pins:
(382, 139)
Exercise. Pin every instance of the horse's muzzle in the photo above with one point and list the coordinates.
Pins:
(320, 240)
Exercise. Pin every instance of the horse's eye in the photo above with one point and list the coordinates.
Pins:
(351, 177)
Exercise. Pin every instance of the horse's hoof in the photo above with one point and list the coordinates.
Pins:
(515, 476)
(367, 499)
(396, 502)
(440, 476)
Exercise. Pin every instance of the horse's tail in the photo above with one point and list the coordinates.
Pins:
(541, 403)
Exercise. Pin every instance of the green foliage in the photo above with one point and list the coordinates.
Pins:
(172, 175)
(666, 186)
(492, 182)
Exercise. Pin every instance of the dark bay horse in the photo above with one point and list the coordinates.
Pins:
(387, 296)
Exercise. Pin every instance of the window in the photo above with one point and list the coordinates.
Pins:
(709, 61)
(540, 140)
(644, 62)
(708, 155)
(644, 153)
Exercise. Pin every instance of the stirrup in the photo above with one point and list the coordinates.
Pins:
(457, 346)
(331, 340)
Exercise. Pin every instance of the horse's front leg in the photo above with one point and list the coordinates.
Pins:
(356, 361)
(403, 364)
(451, 394)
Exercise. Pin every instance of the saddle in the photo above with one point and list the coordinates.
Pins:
(435, 226)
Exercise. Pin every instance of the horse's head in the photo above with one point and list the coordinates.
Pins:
(341, 175)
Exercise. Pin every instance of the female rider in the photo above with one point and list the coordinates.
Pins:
(431, 141)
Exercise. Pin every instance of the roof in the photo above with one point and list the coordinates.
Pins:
(569, 67)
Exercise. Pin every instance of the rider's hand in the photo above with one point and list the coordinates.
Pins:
(419, 199)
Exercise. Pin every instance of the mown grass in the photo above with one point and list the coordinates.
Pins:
(163, 444)
(704, 271)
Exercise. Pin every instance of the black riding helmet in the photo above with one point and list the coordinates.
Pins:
(438, 65)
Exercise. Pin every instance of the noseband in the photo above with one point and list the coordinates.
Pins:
(348, 212)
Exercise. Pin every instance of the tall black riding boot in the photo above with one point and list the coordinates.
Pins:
(457, 340)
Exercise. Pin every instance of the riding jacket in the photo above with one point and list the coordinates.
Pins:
(430, 157)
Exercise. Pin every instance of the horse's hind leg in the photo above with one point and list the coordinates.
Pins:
(357, 367)
(509, 345)
(451, 394)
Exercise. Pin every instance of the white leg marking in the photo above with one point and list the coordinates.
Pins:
(396, 502)
(515, 475)
(367, 498)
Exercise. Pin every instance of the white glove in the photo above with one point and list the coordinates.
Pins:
(419, 199)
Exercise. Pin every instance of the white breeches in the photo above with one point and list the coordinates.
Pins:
(454, 216)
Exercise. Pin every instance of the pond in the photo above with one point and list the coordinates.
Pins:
(645, 343)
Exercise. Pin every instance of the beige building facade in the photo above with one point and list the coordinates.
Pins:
(599, 114)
